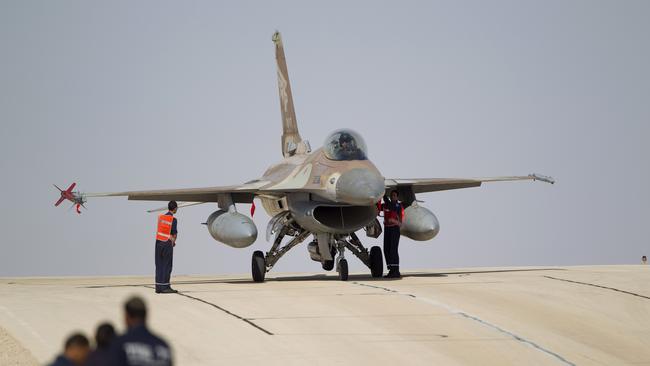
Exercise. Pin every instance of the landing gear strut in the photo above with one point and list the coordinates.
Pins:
(373, 258)
(343, 269)
(262, 263)
(341, 262)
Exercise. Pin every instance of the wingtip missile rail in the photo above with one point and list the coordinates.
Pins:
(542, 178)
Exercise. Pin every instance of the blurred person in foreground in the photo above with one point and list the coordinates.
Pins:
(75, 351)
(138, 346)
(104, 336)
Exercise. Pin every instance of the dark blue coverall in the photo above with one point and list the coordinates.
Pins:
(62, 361)
(164, 257)
(139, 347)
(391, 235)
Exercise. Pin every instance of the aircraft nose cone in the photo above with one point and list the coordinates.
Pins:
(360, 187)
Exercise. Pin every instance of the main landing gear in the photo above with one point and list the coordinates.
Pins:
(258, 266)
(263, 262)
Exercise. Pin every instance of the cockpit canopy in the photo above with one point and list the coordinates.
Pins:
(345, 145)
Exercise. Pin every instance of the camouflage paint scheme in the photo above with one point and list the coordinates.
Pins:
(314, 193)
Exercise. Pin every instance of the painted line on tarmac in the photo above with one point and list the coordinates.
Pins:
(475, 318)
(245, 320)
(599, 286)
(226, 311)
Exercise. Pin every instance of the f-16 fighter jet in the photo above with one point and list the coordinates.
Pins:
(327, 194)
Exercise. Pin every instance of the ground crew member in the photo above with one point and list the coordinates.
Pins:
(393, 216)
(166, 234)
(138, 346)
(75, 351)
(644, 259)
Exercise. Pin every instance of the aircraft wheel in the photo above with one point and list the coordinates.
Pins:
(328, 265)
(343, 270)
(376, 262)
(258, 264)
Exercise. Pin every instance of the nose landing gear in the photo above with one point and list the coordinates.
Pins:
(343, 269)
(373, 258)
(341, 262)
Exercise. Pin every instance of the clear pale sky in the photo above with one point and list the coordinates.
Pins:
(125, 95)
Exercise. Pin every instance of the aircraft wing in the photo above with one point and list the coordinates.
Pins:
(421, 185)
(240, 194)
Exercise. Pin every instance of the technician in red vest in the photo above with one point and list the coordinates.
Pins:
(393, 217)
(165, 242)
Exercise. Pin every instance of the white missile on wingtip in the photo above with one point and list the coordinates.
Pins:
(542, 178)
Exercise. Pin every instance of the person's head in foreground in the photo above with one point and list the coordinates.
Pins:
(135, 312)
(104, 335)
(76, 348)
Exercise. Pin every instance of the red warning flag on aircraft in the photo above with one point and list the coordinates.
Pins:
(253, 209)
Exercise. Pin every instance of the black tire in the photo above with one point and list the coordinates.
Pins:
(343, 270)
(328, 265)
(258, 264)
(376, 262)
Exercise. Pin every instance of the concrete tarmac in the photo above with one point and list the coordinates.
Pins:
(588, 315)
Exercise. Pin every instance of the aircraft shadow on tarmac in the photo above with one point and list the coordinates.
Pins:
(364, 277)
(326, 277)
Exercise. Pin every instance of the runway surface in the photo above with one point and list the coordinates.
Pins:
(589, 315)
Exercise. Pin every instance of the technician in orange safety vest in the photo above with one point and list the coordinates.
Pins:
(165, 242)
(393, 217)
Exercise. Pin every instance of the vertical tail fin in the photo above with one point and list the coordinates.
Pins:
(290, 136)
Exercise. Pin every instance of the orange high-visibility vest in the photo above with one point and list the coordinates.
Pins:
(164, 231)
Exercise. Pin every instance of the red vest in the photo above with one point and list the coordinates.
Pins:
(164, 231)
(391, 217)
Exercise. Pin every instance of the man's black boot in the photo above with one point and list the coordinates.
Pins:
(393, 273)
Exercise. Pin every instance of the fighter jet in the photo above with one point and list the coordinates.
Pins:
(328, 194)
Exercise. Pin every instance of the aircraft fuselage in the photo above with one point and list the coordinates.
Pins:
(328, 195)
